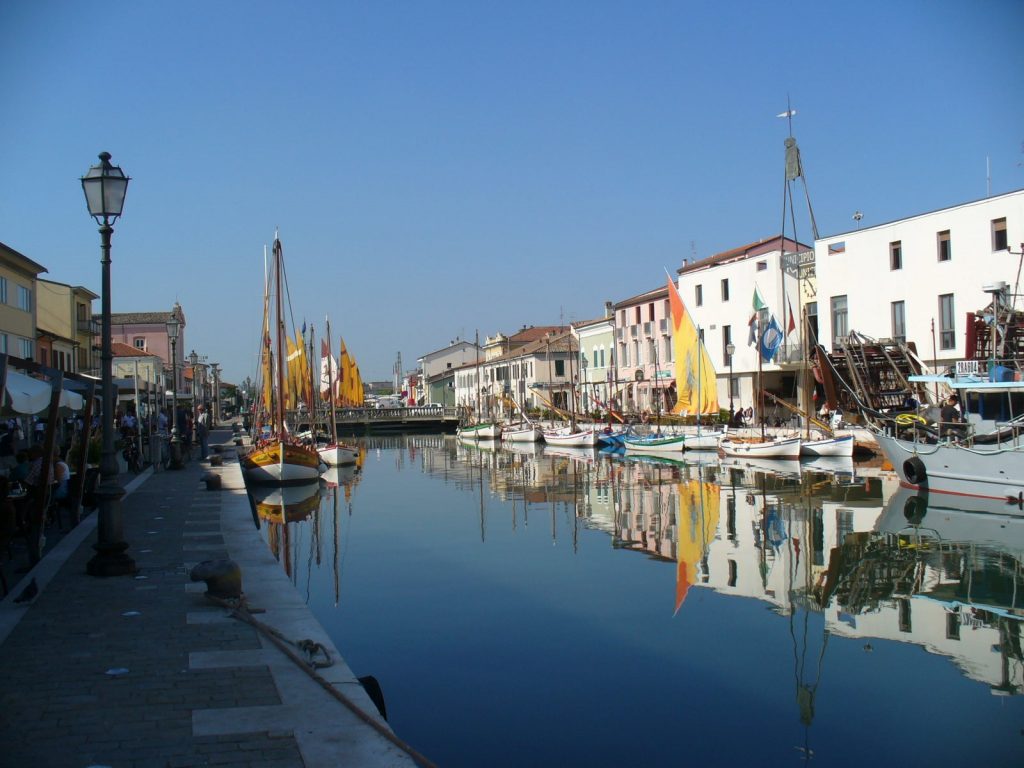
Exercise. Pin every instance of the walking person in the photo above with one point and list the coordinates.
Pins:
(202, 430)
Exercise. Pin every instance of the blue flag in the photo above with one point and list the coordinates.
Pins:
(771, 340)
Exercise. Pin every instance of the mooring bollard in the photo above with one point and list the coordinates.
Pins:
(212, 481)
(223, 578)
(216, 460)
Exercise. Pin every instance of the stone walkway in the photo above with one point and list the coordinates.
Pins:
(145, 671)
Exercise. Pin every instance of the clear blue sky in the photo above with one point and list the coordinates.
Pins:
(438, 167)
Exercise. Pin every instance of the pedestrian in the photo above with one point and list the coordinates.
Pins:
(202, 430)
(7, 449)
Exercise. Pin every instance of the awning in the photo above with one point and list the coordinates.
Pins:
(30, 396)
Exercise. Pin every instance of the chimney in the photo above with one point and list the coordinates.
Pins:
(608, 311)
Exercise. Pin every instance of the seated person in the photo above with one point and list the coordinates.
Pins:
(950, 420)
(21, 467)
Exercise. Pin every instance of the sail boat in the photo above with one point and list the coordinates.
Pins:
(276, 457)
(479, 430)
(572, 436)
(335, 453)
(695, 387)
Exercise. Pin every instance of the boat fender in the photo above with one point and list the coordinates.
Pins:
(915, 508)
(915, 472)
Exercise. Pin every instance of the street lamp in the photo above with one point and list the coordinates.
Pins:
(215, 368)
(105, 186)
(730, 348)
(173, 329)
(193, 360)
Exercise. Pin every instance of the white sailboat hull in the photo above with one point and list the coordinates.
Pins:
(832, 446)
(527, 434)
(571, 439)
(338, 455)
(788, 448)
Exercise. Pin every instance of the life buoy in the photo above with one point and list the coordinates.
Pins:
(906, 419)
(915, 472)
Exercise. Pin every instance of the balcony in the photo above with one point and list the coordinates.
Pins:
(85, 326)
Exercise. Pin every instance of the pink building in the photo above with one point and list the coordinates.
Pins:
(147, 332)
(643, 348)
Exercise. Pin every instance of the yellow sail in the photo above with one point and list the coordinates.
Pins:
(697, 523)
(344, 376)
(696, 385)
(358, 395)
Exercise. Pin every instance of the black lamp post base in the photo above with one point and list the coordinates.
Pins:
(111, 560)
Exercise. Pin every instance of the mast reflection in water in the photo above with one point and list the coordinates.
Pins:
(522, 605)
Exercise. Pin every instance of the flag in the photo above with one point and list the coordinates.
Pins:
(328, 369)
(787, 113)
(771, 339)
(752, 322)
(792, 321)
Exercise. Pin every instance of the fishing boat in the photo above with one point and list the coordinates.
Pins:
(840, 445)
(276, 457)
(777, 448)
(477, 429)
(982, 459)
(572, 437)
(654, 444)
(335, 453)
(526, 431)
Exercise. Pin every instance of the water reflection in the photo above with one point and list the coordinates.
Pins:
(834, 549)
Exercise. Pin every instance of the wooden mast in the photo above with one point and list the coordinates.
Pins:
(279, 308)
(330, 387)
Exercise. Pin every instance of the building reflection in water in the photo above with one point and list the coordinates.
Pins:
(831, 548)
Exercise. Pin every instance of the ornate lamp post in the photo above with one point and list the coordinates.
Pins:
(105, 186)
(173, 329)
(730, 348)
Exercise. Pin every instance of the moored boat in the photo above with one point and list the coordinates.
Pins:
(485, 431)
(829, 446)
(572, 438)
(654, 444)
(276, 457)
(779, 448)
(527, 433)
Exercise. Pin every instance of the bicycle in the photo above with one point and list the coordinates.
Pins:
(132, 456)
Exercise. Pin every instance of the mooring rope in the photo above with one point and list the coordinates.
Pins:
(239, 609)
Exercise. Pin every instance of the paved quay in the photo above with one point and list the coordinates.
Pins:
(144, 670)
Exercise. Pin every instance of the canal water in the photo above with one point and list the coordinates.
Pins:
(541, 607)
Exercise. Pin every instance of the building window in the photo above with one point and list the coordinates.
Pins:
(945, 248)
(899, 322)
(669, 352)
(726, 341)
(699, 291)
(667, 309)
(637, 315)
(139, 342)
(622, 318)
(840, 328)
(636, 353)
(26, 348)
(24, 298)
(650, 312)
(725, 289)
(999, 242)
(762, 266)
(652, 351)
(947, 335)
(624, 353)
(3, 290)
(896, 255)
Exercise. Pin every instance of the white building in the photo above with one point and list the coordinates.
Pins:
(718, 292)
(919, 278)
